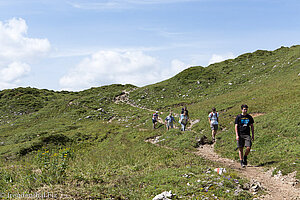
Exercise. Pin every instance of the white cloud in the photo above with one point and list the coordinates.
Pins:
(15, 45)
(177, 66)
(219, 58)
(107, 67)
(17, 51)
(14, 71)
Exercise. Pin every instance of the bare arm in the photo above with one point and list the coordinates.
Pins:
(252, 130)
(236, 132)
(209, 118)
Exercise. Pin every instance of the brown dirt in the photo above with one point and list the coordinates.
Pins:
(277, 188)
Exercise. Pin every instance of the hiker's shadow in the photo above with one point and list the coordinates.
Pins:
(264, 164)
(159, 126)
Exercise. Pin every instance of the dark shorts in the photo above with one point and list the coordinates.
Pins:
(154, 121)
(214, 127)
(244, 141)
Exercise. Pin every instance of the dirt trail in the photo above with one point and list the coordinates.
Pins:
(123, 98)
(278, 188)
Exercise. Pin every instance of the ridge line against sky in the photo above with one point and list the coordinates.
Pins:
(78, 44)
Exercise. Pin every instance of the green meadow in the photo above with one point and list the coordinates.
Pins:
(82, 145)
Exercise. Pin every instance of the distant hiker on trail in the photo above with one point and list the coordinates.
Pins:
(213, 119)
(169, 121)
(243, 122)
(183, 119)
(187, 113)
(154, 118)
(185, 109)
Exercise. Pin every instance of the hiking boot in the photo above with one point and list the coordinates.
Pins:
(245, 160)
(213, 139)
(242, 164)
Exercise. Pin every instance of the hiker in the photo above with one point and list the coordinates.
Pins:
(185, 109)
(169, 121)
(243, 122)
(213, 119)
(154, 118)
(187, 113)
(183, 119)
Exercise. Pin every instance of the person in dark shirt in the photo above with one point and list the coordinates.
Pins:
(154, 119)
(243, 123)
(185, 109)
(183, 119)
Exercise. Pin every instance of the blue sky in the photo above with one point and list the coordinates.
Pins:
(78, 44)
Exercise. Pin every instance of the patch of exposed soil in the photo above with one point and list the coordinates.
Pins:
(277, 187)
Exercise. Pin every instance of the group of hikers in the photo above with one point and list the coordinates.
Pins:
(243, 124)
(183, 119)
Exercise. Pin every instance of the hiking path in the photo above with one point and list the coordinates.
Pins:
(277, 187)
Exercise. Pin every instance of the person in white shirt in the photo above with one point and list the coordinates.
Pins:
(213, 119)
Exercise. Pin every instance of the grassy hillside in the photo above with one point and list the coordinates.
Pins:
(268, 81)
(82, 145)
(196, 84)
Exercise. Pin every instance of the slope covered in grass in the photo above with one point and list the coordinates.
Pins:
(268, 81)
(84, 145)
(199, 83)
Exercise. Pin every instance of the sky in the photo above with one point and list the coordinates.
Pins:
(78, 44)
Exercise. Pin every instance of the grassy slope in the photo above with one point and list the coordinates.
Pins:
(198, 83)
(68, 146)
(65, 143)
(267, 81)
